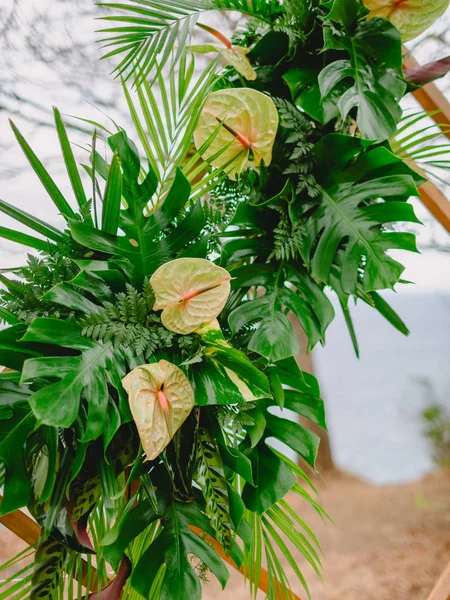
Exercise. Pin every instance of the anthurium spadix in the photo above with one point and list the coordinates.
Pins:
(190, 292)
(161, 398)
(411, 17)
(249, 125)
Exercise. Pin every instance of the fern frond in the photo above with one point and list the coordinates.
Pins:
(129, 322)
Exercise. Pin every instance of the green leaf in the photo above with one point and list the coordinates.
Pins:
(48, 569)
(172, 547)
(125, 530)
(70, 162)
(66, 296)
(13, 351)
(275, 337)
(112, 199)
(273, 481)
(48, 183)
(374, 68)
(23, 239)
(211, 478)
(32, 222)
(347, 226)
(14, 432)
(303, 83)
(58, 404)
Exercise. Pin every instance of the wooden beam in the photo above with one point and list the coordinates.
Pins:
(431, 99)
(28, 530)
(264, 576)
(441, 590)
(438, 204)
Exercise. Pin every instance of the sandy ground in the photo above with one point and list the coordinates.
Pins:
(388, 543)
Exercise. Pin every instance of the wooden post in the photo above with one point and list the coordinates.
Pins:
(431, 99)
(441, 590)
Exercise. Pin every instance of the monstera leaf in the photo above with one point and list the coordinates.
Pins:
(173, 548)
(17, 421)
(80, 376)
(190, 292)
(161, 399)
(370, 80)
(249, 125)
(273, 478)
(411, 17)
(350, 222)
(275, 338)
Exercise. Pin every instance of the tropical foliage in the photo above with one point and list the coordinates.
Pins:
(146, 413)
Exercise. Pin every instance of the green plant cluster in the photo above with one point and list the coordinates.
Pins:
(80, 316)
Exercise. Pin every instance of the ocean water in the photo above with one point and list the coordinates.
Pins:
(374, 403)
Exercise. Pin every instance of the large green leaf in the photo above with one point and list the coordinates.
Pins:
(173, 547)
(372, 72)
(274, 478)
(16, 423)
(275, 338)
(81, 376)
(349, 224)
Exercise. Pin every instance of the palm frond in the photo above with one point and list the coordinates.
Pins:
(148, 30)
(165, 114)
(423, 143)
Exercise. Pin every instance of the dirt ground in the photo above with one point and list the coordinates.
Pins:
(388, 543)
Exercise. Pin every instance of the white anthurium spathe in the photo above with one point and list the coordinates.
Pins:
(248, 122)
(411, 17)
(161, 398)
(190, 292)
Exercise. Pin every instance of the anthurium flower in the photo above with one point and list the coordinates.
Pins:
(234, 56)
(161, 398)
(190, 292)
(249, 126)
(411, 17)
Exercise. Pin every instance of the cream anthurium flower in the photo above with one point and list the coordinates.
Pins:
(411, 17)
(236, 56)
(161, 398)
(249, 126)
(190, 292)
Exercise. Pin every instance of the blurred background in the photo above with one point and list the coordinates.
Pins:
(384, 472)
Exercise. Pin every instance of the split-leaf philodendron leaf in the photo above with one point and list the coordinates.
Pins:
(190, 292)
(161, 399)
(249, 124)
(411, 17)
